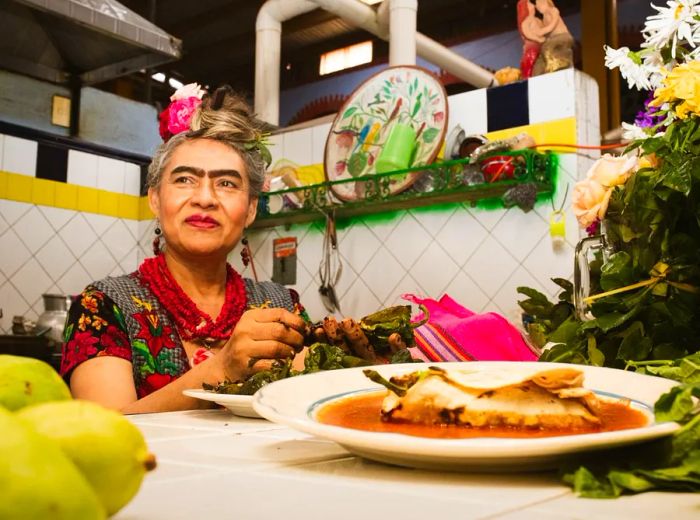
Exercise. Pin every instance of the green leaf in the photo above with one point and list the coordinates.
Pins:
(596, 356)
(416, 107)
(566, 332)
(430, 134)
(357, 163)
(677, 403)
(68, 333)
(587, 484)
(119, 316)
(139, 347)
(617, 271)
(350, 111)
(679, 179)
(634, 346)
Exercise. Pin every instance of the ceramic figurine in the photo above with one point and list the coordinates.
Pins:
(557, 49)
(532, 33)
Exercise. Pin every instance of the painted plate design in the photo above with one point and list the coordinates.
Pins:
(410, 95)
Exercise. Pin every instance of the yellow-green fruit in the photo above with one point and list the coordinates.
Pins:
(105, 446)
(37, 480)
(26, 381)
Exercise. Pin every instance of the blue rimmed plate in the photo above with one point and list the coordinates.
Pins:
(293, 402)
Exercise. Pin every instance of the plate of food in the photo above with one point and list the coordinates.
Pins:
(241, 405)
(411, 97)
(485, 416)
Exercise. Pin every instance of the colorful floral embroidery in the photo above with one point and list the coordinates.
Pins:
(139, 331)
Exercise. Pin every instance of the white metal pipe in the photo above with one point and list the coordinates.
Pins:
(268, 49)
(402, 31)
(268, 43)
(466, 70)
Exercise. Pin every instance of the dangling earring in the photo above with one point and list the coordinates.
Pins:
(156, 240)
(247, 257)
(245, 252)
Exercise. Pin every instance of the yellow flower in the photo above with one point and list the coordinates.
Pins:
(682, 86)
(83, 322)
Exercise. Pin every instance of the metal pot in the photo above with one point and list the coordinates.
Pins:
(50, 323)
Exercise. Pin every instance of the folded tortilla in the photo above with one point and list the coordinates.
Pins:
(492, 397)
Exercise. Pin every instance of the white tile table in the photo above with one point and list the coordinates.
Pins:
(214, 465)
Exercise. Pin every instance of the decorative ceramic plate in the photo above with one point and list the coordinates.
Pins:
(295, 401)
(241, 405)
(409, 95)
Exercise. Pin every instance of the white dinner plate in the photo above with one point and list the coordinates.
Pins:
(238, 404)
(293, 402)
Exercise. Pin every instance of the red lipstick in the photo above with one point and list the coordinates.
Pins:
(201, 221)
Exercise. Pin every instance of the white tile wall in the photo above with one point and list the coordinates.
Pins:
(298, 146)
(51, 250)
(132, 179)
(551, 96)
(82, 168)
(110, 174)
(19, 155)
(469, 111)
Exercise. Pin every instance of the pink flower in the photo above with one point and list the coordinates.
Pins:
(339, 167)
(438, 117)
(180, 114)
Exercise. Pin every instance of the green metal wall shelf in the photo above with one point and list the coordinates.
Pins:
(438, 183)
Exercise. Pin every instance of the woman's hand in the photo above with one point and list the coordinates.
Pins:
(261, 337)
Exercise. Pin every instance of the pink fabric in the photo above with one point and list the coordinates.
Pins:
(454, 333)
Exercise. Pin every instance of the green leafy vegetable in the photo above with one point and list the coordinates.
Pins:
(671, 463)
(380, 325)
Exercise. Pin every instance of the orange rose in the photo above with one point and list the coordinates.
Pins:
(592, 195)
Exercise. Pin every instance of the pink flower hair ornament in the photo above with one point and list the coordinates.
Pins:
(177, 116)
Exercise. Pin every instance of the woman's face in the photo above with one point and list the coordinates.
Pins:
(203, 201)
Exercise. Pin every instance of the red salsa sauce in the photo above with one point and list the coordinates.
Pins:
(363, 412)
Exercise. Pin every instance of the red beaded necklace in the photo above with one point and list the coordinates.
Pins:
(191, 322)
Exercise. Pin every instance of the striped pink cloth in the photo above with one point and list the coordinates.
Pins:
(454, 333)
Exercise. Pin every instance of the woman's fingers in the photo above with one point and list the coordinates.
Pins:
(269, 349)
(283, 316)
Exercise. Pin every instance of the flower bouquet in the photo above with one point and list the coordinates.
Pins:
(642, 311)
(642, 307)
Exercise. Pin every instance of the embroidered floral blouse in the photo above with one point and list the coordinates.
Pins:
(120, 317)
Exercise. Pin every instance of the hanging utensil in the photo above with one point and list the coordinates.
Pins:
(331, 267)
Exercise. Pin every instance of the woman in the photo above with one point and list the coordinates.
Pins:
(135, 342)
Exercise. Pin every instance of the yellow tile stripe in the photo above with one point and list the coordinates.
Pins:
(560, 131)
(22, 188)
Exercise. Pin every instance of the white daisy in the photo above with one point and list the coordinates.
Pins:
(655, 67)
(672, 24)
(633, 132)
(632, 70)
